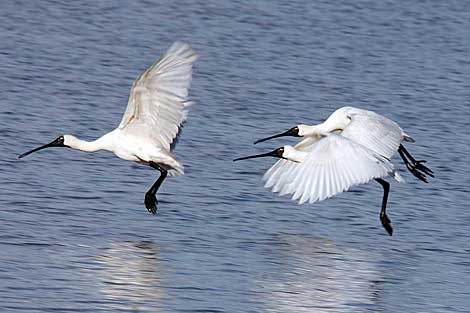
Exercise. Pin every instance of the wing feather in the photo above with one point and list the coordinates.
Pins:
(277, 172)
(332, 165)
(159, 97)
(374, 131)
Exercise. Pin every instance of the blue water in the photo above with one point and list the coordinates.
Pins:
(75, 236)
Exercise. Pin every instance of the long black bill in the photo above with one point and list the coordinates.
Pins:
(276, 153)
(59, 142)
(294, 132)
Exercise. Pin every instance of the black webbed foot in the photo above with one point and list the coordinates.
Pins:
(417, 168)
(419, 165)
(151, 202)
(386, 223)
(150, 197)
(421, 176)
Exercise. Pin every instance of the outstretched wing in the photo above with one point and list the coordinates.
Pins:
(374, 131)
(159, 97)
(276, 173)
(332, 165)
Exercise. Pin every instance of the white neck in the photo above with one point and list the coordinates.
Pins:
(293, 154)
(312, 130)
(328, 126)
(102, 143)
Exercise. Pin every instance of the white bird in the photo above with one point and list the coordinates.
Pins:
(156, 109)
(353, 146)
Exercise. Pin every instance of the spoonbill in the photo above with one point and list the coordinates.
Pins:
(156, 109)
(353, 146)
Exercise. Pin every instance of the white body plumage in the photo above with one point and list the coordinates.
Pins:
(353, 146)
(156, 109)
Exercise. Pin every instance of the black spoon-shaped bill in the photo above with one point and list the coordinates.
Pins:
(293, 132)
(59, 142)
(275, 153)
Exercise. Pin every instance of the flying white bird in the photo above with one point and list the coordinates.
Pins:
(353, 146)
(156, 109)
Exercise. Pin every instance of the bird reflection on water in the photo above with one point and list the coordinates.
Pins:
(316, 275)
(130, 276)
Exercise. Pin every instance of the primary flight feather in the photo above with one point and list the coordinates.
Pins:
(156, 109)
(353, 146)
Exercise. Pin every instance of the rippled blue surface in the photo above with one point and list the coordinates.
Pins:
(75, 236)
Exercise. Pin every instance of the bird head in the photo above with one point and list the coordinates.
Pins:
(58, 142)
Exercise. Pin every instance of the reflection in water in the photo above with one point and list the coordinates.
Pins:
(315, 275)
(130, 276)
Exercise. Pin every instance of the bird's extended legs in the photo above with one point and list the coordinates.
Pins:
(417, 168)
(383, 215)
(150, 198)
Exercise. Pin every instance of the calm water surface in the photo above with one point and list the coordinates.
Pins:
(75, 236)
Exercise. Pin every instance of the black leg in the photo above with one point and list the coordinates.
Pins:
(417, 168)
(383, 215)
(150, 198)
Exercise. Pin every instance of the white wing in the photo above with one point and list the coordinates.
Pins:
(374, 131)
(275, 176)
(332, 165)
(159, 96)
